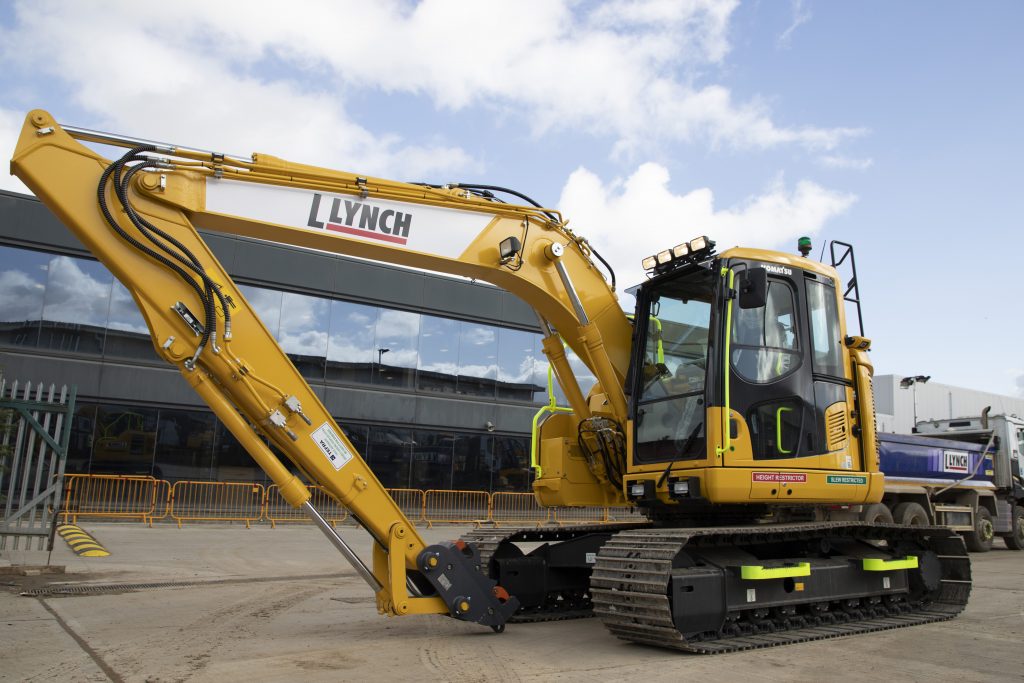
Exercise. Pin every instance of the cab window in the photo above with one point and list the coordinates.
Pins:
(764, 340)
(825, 338)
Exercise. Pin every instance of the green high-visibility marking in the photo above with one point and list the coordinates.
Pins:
(874, 564)
(759, 573)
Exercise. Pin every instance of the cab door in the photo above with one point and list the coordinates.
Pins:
(770, 378)
(787, 374)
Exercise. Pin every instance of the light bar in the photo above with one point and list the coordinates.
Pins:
(696, 249)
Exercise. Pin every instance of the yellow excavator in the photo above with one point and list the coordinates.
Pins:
(732, 408)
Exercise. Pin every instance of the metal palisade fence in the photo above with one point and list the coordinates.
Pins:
(35, 425)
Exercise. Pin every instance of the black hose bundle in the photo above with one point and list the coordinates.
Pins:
(175, 255)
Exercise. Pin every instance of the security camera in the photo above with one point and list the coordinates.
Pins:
(489, 425)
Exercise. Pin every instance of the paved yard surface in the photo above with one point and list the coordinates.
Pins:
(280, 604)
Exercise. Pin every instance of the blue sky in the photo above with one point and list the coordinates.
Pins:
(894, 126)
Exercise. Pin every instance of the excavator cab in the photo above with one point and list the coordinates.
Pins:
(755, 396)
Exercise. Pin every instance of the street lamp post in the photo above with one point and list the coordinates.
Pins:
(380, 353)
(911, 383)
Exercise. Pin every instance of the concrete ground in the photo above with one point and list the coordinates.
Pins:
(285, 606)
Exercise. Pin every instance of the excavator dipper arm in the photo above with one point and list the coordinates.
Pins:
(137, 216)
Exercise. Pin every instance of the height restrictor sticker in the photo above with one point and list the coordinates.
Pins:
(331, 444)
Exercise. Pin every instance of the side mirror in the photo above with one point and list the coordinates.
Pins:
(753, 288)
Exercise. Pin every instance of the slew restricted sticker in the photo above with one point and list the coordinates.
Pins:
(331, 444)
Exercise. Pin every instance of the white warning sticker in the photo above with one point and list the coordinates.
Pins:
(331, 444)
(591, 558)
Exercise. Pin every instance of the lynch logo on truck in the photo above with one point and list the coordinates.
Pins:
(956, 461)
(359, 218)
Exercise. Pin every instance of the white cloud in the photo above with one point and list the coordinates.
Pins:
(801, 16)
(837, 161)
(235, 75)
(10, 129)
(627, 220)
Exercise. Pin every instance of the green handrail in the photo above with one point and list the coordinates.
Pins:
(726, 432)
(778, 429)
(551, 407)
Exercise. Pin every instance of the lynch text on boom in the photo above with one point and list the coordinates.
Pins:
(361, 219)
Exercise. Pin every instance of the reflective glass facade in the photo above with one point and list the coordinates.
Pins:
(173, 444)
(54, 304)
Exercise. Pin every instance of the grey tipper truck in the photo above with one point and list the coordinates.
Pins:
(990, 490)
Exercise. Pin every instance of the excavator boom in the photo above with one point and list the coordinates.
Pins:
(137, 215)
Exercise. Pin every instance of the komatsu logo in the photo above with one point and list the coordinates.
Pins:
(777, 270)
(362, 220)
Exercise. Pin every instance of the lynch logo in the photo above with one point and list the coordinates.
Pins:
(955, 461)
(778, 270)
(352, 217)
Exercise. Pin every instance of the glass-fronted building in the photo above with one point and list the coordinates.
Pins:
(434, 379)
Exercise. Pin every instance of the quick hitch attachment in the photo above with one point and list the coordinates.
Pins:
(452, 569)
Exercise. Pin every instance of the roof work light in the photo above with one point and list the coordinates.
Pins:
(696, 250)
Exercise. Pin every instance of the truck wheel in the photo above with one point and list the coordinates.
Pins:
(980, 540)
(1015, 539)
(910, 514)
(876, 513)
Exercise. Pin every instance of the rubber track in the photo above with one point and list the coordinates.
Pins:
(630, 583)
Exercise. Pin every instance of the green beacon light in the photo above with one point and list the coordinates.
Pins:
(804, 246)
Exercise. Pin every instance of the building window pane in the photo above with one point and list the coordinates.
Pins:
(184, 444)
(518, 365)
(304, 325)
(540, 370)
(124, 440)
(431, 460)
(584, 377)
(396, 348)
(231, 462)
(75, 305)
(127, 334)
(438, 355)
(359, 436)
(22, 286)
(350, 351)
(478, 359)
(472, 462)
(267, 305)
(390, 455)
(511, 464)
(81, 438)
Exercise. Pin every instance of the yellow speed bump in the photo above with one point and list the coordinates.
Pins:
(81, 542)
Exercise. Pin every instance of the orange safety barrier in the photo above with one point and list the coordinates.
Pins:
(411, 502)
(216, 501)
(456, 507)
(109, 495)
(276, 508)
(577, 515)
(517, 508)
(162, 502)
(621, 514)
